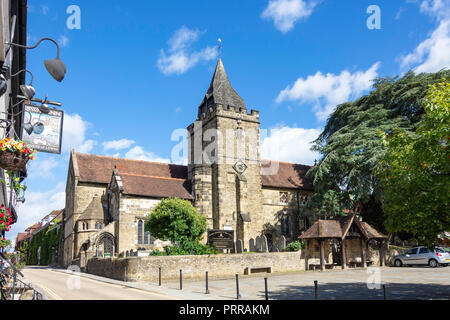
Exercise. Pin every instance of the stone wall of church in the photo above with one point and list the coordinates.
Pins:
(281, 209)
(133, 210)
(84, 193)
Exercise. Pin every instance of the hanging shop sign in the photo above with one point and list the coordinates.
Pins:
(42, 131)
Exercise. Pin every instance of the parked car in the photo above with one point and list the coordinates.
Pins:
(445, 248)
(423, 256)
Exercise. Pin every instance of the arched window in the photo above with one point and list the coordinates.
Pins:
(140, 229)
(146, 236)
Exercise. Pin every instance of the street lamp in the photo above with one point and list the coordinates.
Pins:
(55, 67)
(27, 90)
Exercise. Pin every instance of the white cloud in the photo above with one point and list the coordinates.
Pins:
(432, 54)
(439, 9)
(118, 144)
(42, 168)
(86, 147)
(74, 134)
(63, 41)
(399, 13)
(181, 57)
(290, 145)
(138, 153)
(285, 13)
(36, 206)
(328, 91)
(44, 9)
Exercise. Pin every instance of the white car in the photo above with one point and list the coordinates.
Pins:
(422, 256)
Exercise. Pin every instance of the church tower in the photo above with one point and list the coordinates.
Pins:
(224, 160)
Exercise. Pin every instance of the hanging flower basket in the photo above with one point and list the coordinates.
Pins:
(14, 154)
(5, 218)
(4, 243)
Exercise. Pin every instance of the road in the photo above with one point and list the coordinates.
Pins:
(61, 286)
(405, 283)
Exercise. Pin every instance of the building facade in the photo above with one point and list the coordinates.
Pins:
(107, 199)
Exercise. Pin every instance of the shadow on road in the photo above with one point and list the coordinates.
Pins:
(359, 291)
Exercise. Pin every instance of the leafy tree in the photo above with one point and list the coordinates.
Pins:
(350, 143)
(415, 171)
(176, 220)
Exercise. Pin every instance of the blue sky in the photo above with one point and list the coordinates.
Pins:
(137, 71)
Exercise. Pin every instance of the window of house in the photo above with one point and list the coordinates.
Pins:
(140, 225)
(284, 197)
(146, 236)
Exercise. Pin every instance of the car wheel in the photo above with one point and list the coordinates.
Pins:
(398, 263)
(433, 263)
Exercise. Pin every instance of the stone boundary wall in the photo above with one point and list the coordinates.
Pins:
(194, 267)
(110, 267)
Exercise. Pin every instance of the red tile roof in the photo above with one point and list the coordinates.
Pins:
(20, 236)
(170, 180)
(98, 169)
(35, 226)
(286, 175)
(158, 187)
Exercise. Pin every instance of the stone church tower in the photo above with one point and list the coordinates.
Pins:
(224, 164)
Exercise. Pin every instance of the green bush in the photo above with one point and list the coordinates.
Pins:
(156, 252)
(176, 220)
(189, 248)
(294, 246)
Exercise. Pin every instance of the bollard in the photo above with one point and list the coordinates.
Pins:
(159, 276)
(315, 289)
(266, 289)
(238, 296)
(181, 279)
(384, 291)
(207, 290)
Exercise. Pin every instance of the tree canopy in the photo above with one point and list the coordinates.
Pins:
(176, 220)
(414, 172)
(350, 142)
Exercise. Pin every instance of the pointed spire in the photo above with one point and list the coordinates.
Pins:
(221, 92)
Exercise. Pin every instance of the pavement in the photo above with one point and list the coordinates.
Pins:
(404, 283)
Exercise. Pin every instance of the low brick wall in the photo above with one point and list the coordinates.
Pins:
(194, 267)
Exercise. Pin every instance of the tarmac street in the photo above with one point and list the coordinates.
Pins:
(417, 283)
(62, 286)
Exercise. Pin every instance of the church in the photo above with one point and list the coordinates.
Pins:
(108, 199)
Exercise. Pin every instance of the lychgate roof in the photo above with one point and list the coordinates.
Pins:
(339, 228)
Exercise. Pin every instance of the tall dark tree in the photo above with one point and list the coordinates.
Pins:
(351, 148)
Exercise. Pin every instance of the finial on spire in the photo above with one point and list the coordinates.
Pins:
(220, 47)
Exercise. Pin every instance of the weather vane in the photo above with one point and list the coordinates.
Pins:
(220, 47)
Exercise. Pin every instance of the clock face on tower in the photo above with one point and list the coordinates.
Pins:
(240, 167)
